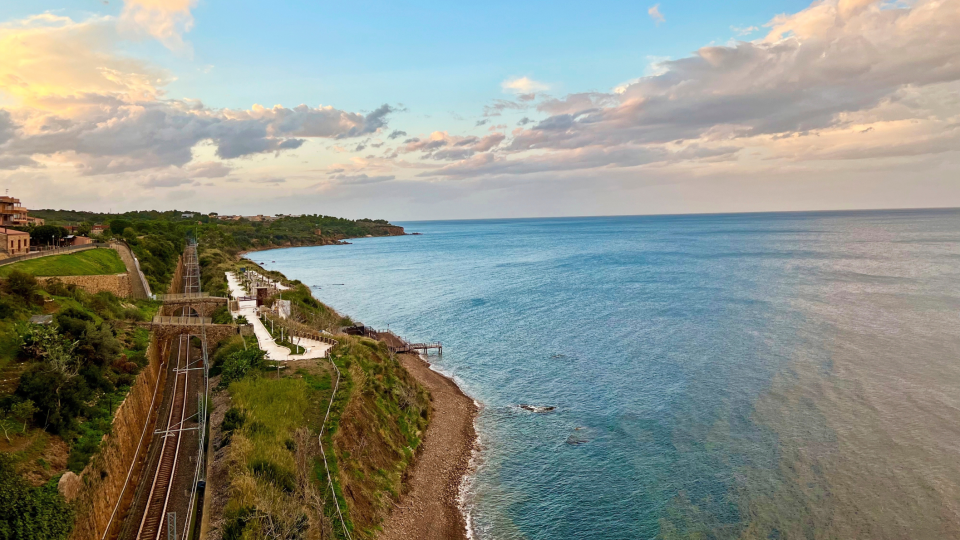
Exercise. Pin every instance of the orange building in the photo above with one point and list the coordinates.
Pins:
(13, 214)
(14, 242)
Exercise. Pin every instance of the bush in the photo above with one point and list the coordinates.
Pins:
(21, 284)
(233, 419)
(276, 475)
(28, 513)
(238, 364)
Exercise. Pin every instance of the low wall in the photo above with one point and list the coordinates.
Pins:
(112, 475)
(118, 284)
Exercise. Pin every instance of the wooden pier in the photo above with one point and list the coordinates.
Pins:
(412, 347)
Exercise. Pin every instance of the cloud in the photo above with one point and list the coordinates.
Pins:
(500, 105)
(443, 146)
(164, 20)
(83, 103)
(813, 69)
(841, 80)
(361, 178)
(208, 169)
(482, 122)
(396, 134)
(165, 181)
(273, 181)
(744, 30)
(655, 14)
(523, 85)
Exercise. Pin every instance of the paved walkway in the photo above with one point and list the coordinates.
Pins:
(248, 308)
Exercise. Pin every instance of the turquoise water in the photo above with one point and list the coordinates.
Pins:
(724, 376)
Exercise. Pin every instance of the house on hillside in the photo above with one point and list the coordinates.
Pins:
(73, 240)
(13, 214)
(187, 215)
(14, 242)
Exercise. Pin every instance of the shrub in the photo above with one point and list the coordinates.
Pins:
(28, 513)
(21, 284)
(238, 364)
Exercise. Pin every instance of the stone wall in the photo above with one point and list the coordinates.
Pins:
(118, 284)
(176, 284)
(112, 474)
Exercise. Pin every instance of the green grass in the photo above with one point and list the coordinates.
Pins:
(93, 262)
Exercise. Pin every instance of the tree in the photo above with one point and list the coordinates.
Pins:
(21, 284)
(117, 226)
(84, 229)
(23, 412)
(48, 234)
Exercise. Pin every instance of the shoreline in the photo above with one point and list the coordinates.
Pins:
(431, 505)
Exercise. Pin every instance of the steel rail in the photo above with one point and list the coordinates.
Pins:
(133, 463)
(165, 462)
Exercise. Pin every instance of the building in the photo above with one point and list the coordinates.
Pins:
(13, 214)
(14, 242)
(187, 215)
(77, 240)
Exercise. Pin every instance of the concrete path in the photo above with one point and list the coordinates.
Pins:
(248, 308)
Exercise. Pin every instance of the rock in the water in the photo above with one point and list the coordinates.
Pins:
(537, 408)
(69, 485)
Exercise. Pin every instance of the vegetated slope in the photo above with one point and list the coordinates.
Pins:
(91, 262)
(277, 481)
(61, 385)
(277, 477)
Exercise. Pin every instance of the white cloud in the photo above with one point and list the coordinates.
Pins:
(744, 30)
(655, 14)
(81, 102)
(523, 85)
(164, 20)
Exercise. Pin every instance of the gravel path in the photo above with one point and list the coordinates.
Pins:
(429, 510)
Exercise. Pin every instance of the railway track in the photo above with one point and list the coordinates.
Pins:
(153, 524)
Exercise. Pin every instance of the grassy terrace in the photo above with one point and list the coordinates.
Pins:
(93, 262)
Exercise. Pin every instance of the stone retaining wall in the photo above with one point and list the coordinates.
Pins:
(118, 284)
(105, 479)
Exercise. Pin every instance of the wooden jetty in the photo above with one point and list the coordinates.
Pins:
(411, 347)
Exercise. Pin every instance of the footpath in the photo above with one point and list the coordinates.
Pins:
(248, 308)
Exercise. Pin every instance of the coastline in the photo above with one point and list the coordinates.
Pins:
(431, 505)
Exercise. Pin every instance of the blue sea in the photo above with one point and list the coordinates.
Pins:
(767, 376)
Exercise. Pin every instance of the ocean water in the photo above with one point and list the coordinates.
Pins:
(765, 376)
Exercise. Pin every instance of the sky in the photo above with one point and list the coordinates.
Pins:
(429, 110)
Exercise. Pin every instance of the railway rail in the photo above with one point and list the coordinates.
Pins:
(153, 524)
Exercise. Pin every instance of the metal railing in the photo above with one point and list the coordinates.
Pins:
(187, 296)
(186, 321)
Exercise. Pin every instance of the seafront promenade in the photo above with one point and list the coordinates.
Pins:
(248, 308)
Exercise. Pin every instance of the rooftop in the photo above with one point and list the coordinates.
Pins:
(4, 230)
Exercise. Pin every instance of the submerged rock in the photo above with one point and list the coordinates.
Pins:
(537, 408)
(575, 440)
